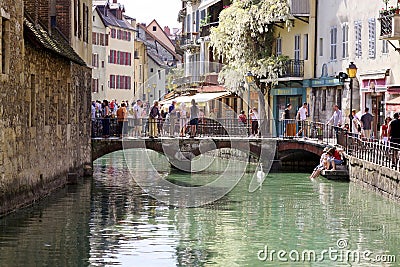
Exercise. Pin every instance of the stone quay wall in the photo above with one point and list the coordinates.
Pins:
(380, 179)
(44, 118)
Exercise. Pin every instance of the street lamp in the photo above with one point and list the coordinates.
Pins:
(351, 72)
(249, 79)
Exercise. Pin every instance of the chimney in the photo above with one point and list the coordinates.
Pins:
(167, 31)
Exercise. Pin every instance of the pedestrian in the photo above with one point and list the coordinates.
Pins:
(154, 114)
(289, 126)
(384, 131)
(337, 118)
(394, 131)
(106, 114)
(137, 118)
(301, 116)
(366, 123)
(172, 118)
(122, 119)
(254, 122)
(356, 123)
(323, 163)
(194, 118)
(183, 119)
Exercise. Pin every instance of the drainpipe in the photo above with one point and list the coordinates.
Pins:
(315, 56)
(316, 38)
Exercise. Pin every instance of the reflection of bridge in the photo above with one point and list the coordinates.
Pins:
(285, 152)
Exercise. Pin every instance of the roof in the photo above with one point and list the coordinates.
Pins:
(56, 42)
(156, 59)
(110, 20)
(159, 41)
(211, 89)
(395, 101)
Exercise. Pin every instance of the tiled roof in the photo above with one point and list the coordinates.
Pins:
(111, 20)
(56, 43)
(157, 59)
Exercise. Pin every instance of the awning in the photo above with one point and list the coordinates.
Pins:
(199, 98)
(206, 3)
(393, 105)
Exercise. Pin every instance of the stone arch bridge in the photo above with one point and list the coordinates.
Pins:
(287, 154)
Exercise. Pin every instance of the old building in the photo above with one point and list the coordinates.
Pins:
(45, 100)
(113, 46)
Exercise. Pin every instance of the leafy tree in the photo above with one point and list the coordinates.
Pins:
(244, 39)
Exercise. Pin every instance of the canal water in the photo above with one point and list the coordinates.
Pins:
(290, 221)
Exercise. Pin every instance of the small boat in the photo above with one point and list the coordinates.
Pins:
(341, 173)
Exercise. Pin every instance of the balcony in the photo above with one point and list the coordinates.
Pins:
(300, 8)
(189, 42)
(293, 68)
(390, 25)
(206, 29)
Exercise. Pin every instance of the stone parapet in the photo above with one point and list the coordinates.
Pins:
(380, 179)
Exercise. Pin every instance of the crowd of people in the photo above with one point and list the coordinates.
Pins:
(153, 118)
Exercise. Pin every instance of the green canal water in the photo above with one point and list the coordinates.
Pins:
(291, 221)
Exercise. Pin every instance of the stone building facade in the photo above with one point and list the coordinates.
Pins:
(44, 107)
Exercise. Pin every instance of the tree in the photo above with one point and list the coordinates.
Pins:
(244, 39)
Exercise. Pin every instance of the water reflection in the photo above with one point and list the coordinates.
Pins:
(111, 221)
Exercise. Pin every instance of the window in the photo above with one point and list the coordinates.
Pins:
(112, 81)
(357, 32)
(151, 70)
(197, 21)
(94, 18)
(47, 101)
(5, 45)
(321, 47)
(102, 63)
(333, 44)
(297, 47)
(279, 46)
(385, 47)
(79, 20)
(188, 23)
(76, 18)
(95, 60)
(371, 38)
(154, 28)
(305, 56)
(159, 74)
(345, 41)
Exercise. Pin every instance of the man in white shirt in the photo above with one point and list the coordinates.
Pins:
(301, 117)
(336, 119)
(137, 118)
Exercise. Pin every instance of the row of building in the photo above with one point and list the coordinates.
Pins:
(327, 35)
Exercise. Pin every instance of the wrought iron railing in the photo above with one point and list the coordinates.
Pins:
(293, 68)
(371, 150)
(386, 20)
(206, 29)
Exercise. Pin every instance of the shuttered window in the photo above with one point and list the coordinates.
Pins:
(297, 47)
(357, 32)
(345, 41)
(279, 46)
(385, 47)
(333, 44)
(371, 38)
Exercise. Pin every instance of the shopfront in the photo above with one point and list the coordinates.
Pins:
(373, 92)
(284, 96)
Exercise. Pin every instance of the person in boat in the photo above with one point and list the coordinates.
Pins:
(323, 163)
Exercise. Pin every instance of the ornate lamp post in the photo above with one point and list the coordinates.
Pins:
(249, 80)
(351, 72)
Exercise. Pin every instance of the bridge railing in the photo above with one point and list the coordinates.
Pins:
(218, 127)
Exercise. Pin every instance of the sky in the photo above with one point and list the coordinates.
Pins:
(164, 11)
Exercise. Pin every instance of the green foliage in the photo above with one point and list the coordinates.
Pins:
(205, 20)
(244, 39)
